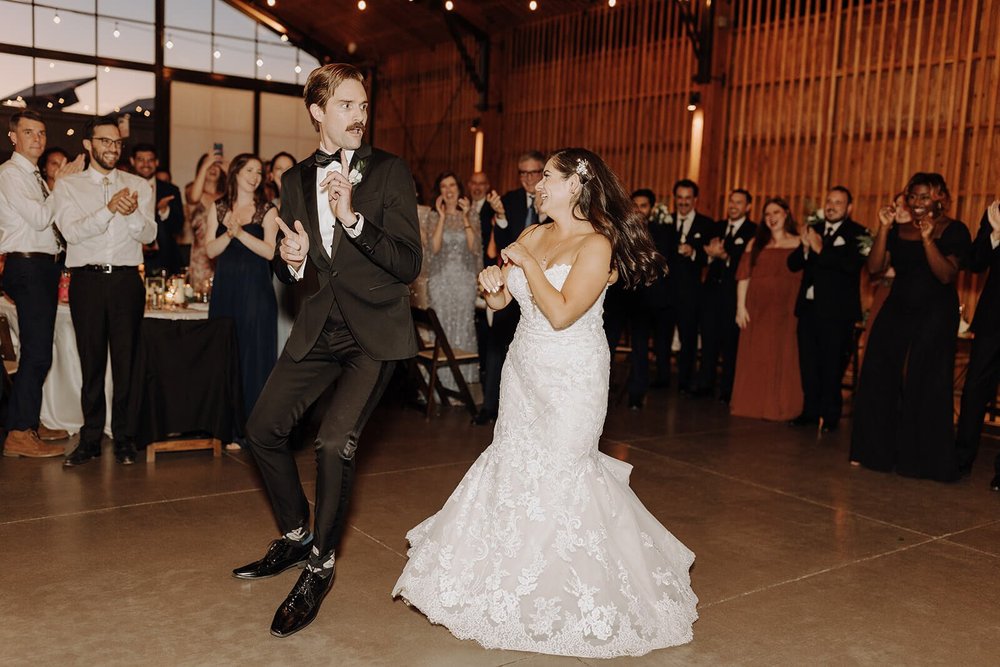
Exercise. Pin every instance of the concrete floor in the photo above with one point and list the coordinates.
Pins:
(801, 559)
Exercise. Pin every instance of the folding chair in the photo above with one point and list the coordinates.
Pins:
(7, 347)
(436, 353)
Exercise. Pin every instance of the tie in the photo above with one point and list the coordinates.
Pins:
(107, 187)
(729, 231)
(324, 159)
(829, 232)
(60, 241)
(532, 217)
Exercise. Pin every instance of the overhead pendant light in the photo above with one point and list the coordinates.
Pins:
(532, 5)
(449, 5)
(56, 19)
(170, 42)
(117, 33)
(362, 5)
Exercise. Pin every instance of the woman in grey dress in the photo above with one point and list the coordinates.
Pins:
(456, 249)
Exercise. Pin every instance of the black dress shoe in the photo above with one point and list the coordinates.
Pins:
(281, 555)
(995, 484)
(484, 417)
(302, 604)
(635, 404)
(803, 420)
(82, 454)
(125, 454)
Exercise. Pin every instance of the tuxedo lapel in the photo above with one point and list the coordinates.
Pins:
(363, 153)
(308, 174)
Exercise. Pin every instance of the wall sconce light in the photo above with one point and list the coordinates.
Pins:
(694, 100)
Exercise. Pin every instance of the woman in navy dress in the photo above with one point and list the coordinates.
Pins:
(242, 225)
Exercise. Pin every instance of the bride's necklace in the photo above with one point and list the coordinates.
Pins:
(552, 251)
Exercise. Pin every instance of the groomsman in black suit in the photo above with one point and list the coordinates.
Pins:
(686, 258)
(169, 212)
(828, 306)
(513, 213)
(351, 213)
(719, 332)
(984, 361)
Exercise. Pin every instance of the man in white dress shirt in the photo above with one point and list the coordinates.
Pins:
(106, 216)
(31, 277)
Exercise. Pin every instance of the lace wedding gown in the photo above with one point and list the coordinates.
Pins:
(543, 546)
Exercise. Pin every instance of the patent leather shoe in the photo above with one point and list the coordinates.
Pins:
(302, 604)
(125, 454)
(281, 555)
(82, 454)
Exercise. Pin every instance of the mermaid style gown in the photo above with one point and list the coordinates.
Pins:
(543, 547)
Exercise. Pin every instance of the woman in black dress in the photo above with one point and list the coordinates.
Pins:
(903, 414)
(243, 229)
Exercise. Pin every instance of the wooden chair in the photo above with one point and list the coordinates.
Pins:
(436, 354)
(7, 347)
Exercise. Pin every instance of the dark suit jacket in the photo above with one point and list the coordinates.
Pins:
(685, 272)
(987, 318)
(515, 208)
(835, 273)
(168, 255)
(367, 276)
(722, 272)
(486, 225)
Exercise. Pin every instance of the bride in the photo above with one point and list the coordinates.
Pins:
(543, 546)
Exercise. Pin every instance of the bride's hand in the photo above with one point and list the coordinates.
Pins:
(516, 254)
(491, 279)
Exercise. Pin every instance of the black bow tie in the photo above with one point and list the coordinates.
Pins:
(324, 159)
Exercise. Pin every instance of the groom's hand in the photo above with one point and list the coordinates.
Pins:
(295, 245)
(339, 188)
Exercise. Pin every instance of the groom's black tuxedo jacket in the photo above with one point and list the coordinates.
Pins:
(367, 276)
(985, 256)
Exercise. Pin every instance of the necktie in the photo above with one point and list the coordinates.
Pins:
(532, 216)
(324, 159)
(107, 188)
(729, 230)
(829, 232)
(60, 241)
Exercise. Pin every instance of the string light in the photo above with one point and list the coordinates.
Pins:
(260, 62)
(362, 5)
(217, 54)
(298, 69)
(284, 37)
(270, 3)
(532, 5)
(107, 69)
(56, 19)
(52, 65)
(170, 42)
(117, 33)
(268, 77)
(449, 5)
(69, 132)
(612, 3)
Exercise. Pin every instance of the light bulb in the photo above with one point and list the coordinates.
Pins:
(284, 37)
(170, 43)
(69, 132)
(298, 69)
(612, 3)
(52, 65)
(117, 33)
(449, 5)
(268, 77)
(270, 3)
(217, 54)
(532, 5)
(362, 5)
(107, 69)
(56, 19)
(260, 63)
(146, 113)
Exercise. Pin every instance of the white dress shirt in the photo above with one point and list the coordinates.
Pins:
(734, 226)
(327, 218)
(25, 214)
(95, 235)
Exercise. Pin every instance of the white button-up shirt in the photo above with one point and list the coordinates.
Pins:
(95, 235)
(25, 214)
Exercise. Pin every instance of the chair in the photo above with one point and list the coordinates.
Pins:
(7, 347)
(435, 354)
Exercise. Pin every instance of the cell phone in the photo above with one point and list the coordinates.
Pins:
(217, 149)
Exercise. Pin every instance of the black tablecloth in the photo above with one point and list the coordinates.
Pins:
(186, 380)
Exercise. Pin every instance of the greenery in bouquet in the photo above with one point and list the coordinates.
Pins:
(661, 215)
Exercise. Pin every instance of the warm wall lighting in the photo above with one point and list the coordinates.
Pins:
(532, 5)
(270, 3)
(449, 5)
(694, 100)
(478, 160)
(612, 3)
(362, 5)
(697, 136)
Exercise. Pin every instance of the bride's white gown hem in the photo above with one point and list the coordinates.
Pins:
(543, 547)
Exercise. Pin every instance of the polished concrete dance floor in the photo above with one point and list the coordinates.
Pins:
(801, 559)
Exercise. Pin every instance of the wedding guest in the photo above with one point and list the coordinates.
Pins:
(649, 311)
(169, 212)
(106, 215)
(31, 277)
(828, 306)
(289, 297)
(686, 260)
(482, 213)
(903, 409)
(720, 334)
(451, 282)
(163, 174)
(766, 383)
(242, 229)
(49, 163)
(209, 184)
(984, 362)
(279, 164)
(514, 212)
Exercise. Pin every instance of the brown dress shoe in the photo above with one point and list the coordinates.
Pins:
(27, 443)
(46, 433)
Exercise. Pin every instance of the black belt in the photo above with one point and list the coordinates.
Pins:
(48, 257)
(104, 268)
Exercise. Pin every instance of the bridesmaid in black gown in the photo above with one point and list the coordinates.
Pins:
(903, 414)
(242, 227)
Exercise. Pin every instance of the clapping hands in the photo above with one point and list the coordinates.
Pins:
(993, 215)
(124, 202)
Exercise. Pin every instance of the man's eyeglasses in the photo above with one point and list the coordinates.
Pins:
(533, 172)
(109, 143)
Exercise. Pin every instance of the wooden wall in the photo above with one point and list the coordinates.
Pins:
(808, 93)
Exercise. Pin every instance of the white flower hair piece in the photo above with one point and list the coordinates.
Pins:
(582, 168)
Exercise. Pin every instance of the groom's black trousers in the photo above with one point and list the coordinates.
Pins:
(292, 387)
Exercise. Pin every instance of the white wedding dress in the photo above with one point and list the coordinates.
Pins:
(543, 546)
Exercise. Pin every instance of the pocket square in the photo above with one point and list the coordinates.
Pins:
(738, 241)
(697, 235)
(839, 241)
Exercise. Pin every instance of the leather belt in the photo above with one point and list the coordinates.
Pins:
(48, 257)
(105, 268)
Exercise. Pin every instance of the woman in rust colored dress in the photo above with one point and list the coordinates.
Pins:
(767, 384)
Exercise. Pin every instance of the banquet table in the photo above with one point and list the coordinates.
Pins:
(61, 392)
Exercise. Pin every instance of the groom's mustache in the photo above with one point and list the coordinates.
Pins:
(356, 126)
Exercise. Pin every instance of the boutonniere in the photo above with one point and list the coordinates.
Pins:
(865, 242)
(357, 173)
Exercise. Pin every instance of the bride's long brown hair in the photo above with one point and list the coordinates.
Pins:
(605, 204)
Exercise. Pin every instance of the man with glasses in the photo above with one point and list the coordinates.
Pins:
(513, 213)
(31, 278)
(106, 216)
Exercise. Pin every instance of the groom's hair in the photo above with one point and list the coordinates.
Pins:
(323, 81)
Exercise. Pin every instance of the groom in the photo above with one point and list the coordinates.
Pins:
(355, 219)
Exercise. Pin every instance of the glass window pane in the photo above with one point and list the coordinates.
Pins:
(232, 22)
(194, 14)
(64, 86)
(279, 63)
(140, 10)
(15, 24)
(123, 90)
(73, 33)
(308, 64)
(236, 56)
(266, 35)
(190, 50)
(81, 5)
(134, 41)
(17, 75)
